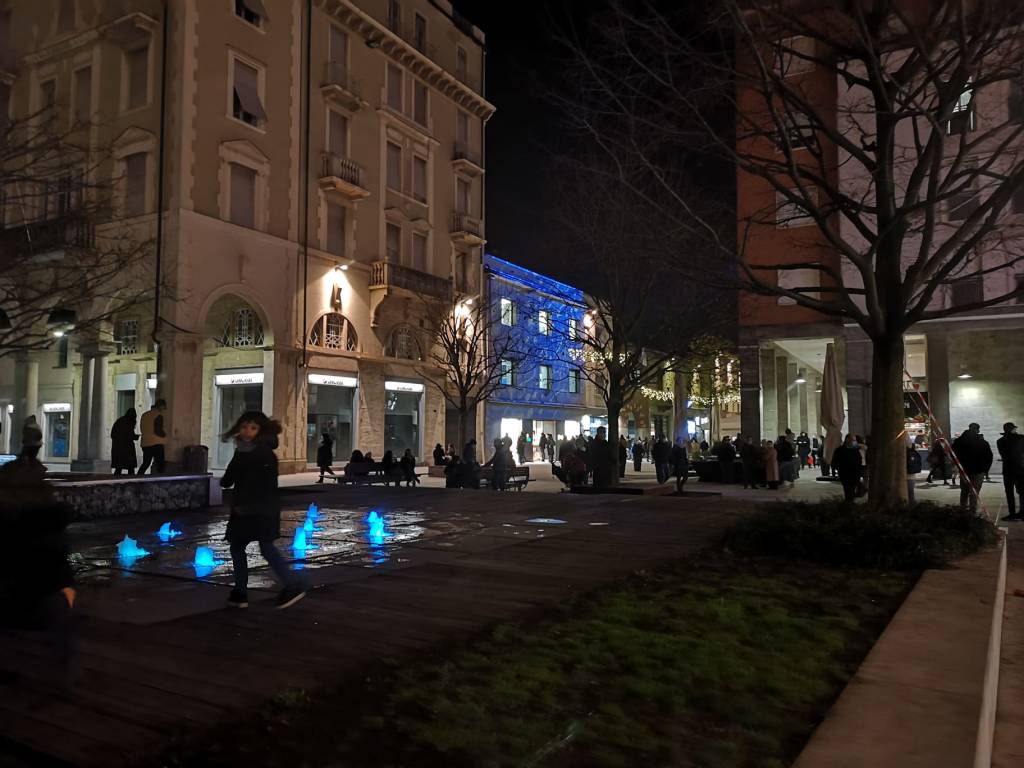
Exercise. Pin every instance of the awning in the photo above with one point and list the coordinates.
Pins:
(256, 6)
(832, 413)
(246, 91)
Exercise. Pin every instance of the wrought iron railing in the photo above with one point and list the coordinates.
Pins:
(386, 274)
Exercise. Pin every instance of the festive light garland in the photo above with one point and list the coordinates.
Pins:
(656, 394)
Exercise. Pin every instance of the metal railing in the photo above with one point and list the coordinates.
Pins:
(463, 222)
(342, 168)
(387, 274)
(36, 237)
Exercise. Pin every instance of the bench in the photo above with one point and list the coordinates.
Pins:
(371, 474)
(518, 477)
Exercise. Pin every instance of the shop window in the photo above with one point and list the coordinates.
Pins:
(128, 336)
(242, 329)
(544, 376)
(574, 381)
(506, 373)
(405, 344)
(334, 331)
(251, 11)
(508, 312)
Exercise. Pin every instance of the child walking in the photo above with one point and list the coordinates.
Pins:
(255, 513)
(325, 456)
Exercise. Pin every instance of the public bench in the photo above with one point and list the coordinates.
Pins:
(370, 473)
(517, 478)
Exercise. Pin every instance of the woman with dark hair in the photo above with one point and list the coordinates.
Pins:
(439, 456)
(122, 443)
(390, 469)
(255, 512)
(408, 466)
(325, 456)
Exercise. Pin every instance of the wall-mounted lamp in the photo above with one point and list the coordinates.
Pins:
(800, 378)
(60, 321)
(964, 373)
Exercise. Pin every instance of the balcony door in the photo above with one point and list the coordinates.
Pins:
(337, 134)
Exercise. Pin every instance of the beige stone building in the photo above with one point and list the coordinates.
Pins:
(313, 195)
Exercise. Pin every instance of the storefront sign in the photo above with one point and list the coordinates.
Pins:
(403, 386)
(236, 379)
(123, 382)
(56, 407)
(151, 382)
(332, 381)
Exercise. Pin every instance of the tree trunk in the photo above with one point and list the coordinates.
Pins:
(463, 418)
(614, 409)
(887, 455)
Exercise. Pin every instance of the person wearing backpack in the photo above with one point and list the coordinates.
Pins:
(1011, 451)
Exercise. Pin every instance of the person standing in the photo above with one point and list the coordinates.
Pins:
(658, 450)
(521, 447)
(543, 443)
(803, 449)
(469, 452)
(913, 470)
(937, 462)
(154, 438)
(748, 463)
(770, 460)
(1011, 451)
(623, 454)
(407, 464)
(680, 463)
(975, 455)
(847, 462)
(255, 511)
(786, 449)
(122, 443)
(638, 455)
(325, 455)
(439, 457)
(601, 460)
(727, 460)
(501, 463)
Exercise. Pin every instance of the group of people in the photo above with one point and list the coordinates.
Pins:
(152, 434)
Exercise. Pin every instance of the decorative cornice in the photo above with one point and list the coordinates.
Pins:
(401, 52)
(89, 37)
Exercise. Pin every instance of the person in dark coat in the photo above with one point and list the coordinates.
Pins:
(325, 455)
(601, 460)
(439, 458)
(501, 463)
(638, 455)
(803, 449)
(727, 460)
(408, 466)
(975, 455)
(913, 470)
(122, 443)
(453, 473)
(255, 511)
(660, 456)
(389, 468)
(937, 463)
(623, 455)
(680, 463)
(748, 463)
(847, 462)
(37, 586)
(1011, 451)
(469, 452)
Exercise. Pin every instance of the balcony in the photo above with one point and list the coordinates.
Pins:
(390, 279)
(48, 238)
(344, 176)
(466, 230)
(8, 68)
(340, 87)
(466, 160)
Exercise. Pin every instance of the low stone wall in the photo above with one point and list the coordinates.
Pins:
(127, 496)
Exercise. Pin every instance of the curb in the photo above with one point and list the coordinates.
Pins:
(990, 689)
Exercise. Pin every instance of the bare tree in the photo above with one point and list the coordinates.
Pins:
(860, 120)
(469, 356)
(65, 259)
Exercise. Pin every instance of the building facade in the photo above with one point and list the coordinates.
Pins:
(315, 191)
(543, 391)
(968, 367)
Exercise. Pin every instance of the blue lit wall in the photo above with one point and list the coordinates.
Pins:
(532, 292)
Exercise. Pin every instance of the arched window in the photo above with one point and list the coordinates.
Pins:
(242, 328)
(405, 343)
(334, 331)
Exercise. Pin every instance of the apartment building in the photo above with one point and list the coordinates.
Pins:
(322, 178)
(968, 366)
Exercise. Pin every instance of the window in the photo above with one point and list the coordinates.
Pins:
(393, 242)
(508, 312)
(243, 195)
(506, 373)
(405, 344)
(790, 214)
(137, 67)
(128, 336)
(419, 33)
(419, 179)
(337, 134)
(135, 184)
(1020, 288)
(334, 331)
(461, 196)
(544, 376)
(83, 95)
(794, 279)
(962, 204)
(246, 104)
(461, 127)
(242, 329)
(65, 16)
(419, 252)
(251, 11)
(795, 55)
(394, 15)
(967, 290)
(419, 103)
(794, 136)
(962, 119)
(62, 352)
(339, 46)
(336, 229)
(574, 329)
(461, 63)
(47, 94)
(394, 167)
(394, 87)
(1017, 201)
(544, 322)
(574, 381)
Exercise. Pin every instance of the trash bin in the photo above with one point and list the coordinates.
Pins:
(197, 459)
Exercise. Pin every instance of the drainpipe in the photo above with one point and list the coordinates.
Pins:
(158, 266)
(305, 190)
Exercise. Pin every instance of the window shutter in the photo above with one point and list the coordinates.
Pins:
(394, 166)
(339, 46)
(135, 184)
(419, 252)
(247, 90)
(419, 179)
(243, 195)
(138, 77)
(394, 87)
(83, 94)
(336, 229)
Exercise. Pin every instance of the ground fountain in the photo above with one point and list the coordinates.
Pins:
(166, 532)
(128, 549)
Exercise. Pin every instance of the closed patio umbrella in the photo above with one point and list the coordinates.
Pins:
(832, 414)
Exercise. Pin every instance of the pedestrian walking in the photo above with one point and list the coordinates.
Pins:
(325, 455)
(543, 443)
(727, 461)
(122, 443)
(847, 462)
(680, 463)
(1011, 451)
(975, 456)
(638, 455)
(154, 437)
(255, 510)
(803, 449)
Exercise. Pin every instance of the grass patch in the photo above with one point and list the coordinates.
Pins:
(926, 535)
(715, 662)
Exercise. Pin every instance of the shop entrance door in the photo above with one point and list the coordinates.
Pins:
(234, 401)
(58, 435)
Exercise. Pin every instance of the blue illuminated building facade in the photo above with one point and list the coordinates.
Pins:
(545, 393)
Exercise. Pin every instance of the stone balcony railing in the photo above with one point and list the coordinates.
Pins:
(340, 85)
(388, 275)
(466, 229)
(344, 175)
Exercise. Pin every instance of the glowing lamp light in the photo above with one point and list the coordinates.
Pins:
(800, 378)
(964, 373)
(129, 549)
(166, 533)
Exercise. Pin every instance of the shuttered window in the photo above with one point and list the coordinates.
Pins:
(243, 195)
(135, 184)
(137, 63)
(336, 229)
